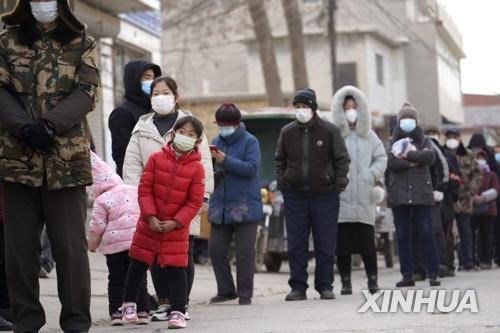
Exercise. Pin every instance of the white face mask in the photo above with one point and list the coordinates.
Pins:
(351, 115)
(452, 144)
(184, 143)
(303, 115)
(163, 104)
(44, 12)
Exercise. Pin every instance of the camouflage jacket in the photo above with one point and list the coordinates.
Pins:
(472, 179)
(46, 80)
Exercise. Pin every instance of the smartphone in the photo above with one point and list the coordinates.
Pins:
(213, 148)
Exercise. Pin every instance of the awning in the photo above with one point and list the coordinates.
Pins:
(123, 6)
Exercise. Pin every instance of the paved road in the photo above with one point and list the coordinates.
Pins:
(271, 314)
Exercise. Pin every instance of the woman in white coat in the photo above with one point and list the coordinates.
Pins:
(358, 202)
(151, 132)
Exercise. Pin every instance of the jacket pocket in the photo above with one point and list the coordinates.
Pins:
(22, 75)
(66, 78)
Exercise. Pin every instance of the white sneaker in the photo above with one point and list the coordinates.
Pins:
(186, 315)
(177, 320)
(129, 312)
(162, 313)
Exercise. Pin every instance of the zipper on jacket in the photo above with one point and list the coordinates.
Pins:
(305, 159)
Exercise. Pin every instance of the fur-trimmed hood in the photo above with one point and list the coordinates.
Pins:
(69, 26)
(364, 122)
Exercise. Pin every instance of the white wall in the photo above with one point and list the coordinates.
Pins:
(450, 92)
(141, 39)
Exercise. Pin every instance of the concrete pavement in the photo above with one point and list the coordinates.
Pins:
(270, 313)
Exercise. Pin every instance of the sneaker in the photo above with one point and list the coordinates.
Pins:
(177, 320)
(405, 283)
(245, 301)
(143, 318)
(44, 274)
(5, 325)
(485, 266)
(186, 315)
(162, 313)
(373, 284)
(434, 282)
(222, 298)
(346, 286)
(296, 295)
(327, 294)
(129, 312)
(116, 319)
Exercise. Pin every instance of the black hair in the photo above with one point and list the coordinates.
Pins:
(348, 97)
(171, 84)
(228, 113)
(197, 125)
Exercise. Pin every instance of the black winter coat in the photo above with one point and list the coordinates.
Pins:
(312, 157)
(409, 180)
(134, 105)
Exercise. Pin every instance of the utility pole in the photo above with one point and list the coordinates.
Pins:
(332, 7)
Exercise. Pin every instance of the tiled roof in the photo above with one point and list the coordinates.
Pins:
(149, 21)
(481, 100)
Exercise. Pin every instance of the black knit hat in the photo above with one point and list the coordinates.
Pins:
(228, 114)
(306, 96)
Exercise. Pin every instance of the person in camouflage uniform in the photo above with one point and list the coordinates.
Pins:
(49, 81)
(471, 179)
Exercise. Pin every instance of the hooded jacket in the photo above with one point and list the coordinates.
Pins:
(145, 141)
(50, 76)
(135, 104)
(477, 143)
(368, 159)
(115, 212)
(171, 188)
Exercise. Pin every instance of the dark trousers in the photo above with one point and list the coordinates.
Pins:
(418, 246)
(4, 292)
(482, 239)
(369, 261)
(465, 235)
(318, 213)
(160, 278)
(421, 217)
(244, 235)
(450, 245)
(175, 275)
(497, 236)
(118, 264)
(64, 212)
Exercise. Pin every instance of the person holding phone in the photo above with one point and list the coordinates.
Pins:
(235, 206)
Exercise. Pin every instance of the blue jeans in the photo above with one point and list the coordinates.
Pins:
(465, 233)
(319, 213)
(421, 216)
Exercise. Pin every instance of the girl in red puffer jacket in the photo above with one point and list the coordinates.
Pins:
(170, 196)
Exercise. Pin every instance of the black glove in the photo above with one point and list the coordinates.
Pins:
(38, 135)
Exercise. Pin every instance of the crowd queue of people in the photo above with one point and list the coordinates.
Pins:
(146, 213)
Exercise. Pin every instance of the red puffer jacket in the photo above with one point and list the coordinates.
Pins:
(171, 188)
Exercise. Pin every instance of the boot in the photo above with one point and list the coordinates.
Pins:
(372, 284)
(346, 285)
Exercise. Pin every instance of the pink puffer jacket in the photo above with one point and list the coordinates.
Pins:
(116, 210)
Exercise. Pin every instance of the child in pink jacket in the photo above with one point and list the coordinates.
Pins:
(114, 219)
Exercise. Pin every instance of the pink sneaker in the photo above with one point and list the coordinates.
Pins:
(129, 312)
(177, 320)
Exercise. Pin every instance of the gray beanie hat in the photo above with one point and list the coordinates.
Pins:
(408, 111)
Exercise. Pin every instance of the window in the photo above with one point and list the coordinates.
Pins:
(346, 74)
(379, 62)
